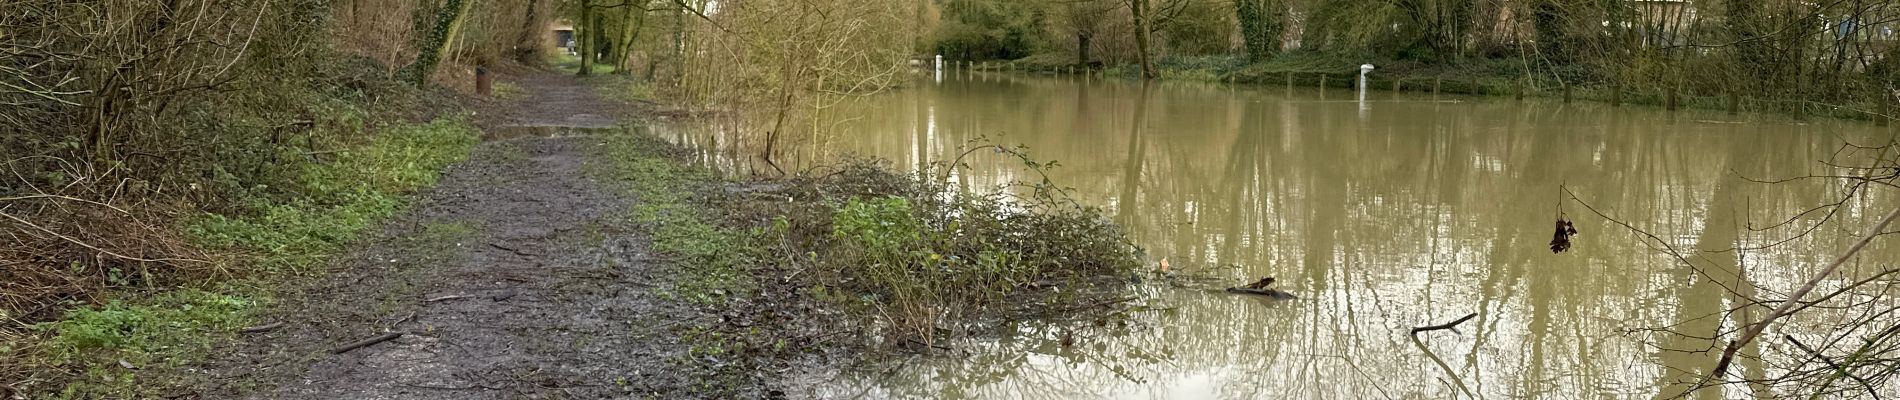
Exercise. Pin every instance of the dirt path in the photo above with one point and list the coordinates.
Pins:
(515, 277)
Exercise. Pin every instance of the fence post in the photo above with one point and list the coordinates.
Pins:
(1669, 100)
(483, 81)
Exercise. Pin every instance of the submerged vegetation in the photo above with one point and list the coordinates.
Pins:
(925, 257)
(905, 253)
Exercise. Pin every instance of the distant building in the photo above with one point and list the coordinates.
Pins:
(564, 35)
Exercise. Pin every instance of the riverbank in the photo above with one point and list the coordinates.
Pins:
(1485, 77)
(596, 259)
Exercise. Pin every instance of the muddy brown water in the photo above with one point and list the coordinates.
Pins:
(1399, 211)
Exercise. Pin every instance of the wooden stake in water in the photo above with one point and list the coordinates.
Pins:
(1398, 84)
(1669, 101)
(1436, 82)
(1616, 95)
(1734, 103)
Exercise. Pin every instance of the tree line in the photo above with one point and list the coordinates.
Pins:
(1825, 50)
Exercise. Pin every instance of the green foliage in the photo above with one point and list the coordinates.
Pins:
(991, 29)
(166, 331)
(924, 257)
(336, 200)
(1201, 27)
(434, 42)
(681, 230)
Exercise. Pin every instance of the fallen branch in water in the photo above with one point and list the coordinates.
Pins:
(1441, 362)
(1444, 326)
(1843, 371)
(367, 342)
(1794, 299)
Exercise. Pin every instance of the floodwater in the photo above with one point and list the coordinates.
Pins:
(1398, 211)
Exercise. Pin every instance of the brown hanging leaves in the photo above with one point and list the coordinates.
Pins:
(1560, 241)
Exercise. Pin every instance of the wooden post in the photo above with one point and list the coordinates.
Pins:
(1669, 100)
(1436, 82)
(1886, 111)
(482, 81)
(1566, 93)
(1322, 81)
(1616, 95)
(1521, 88)
(1734, 102)
(1398, 84)
(1289, 79)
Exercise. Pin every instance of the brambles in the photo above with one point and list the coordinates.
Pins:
(923, 258)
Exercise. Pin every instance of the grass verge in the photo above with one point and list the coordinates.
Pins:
(100, 352)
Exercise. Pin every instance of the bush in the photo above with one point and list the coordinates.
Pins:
(923, 257)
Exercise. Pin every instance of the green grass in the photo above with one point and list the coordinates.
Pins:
(681, 228)
(340, 198)
(717, 264)
(571, 64)
(278, 240)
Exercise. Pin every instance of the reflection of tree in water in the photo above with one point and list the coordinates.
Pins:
(1416, 215)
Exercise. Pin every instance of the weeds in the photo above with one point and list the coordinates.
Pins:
(923, 258)
(333, 202)
(341, 198)
(681, 229)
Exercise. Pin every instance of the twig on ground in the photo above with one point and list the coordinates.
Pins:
(367, 342)
(446, 298)
(262, 328)
(96, 248)
(1444, 326)
(512, 250)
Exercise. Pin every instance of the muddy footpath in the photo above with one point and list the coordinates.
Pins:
(517, 277)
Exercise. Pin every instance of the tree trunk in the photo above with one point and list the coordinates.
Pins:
(1138, 9)
(435, 43)
(636, 19)
(1082, 50)
(533, 39)
(679, 43)
(1253, 34)
(584, 38)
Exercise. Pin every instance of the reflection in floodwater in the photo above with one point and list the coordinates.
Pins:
(1411, 213)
